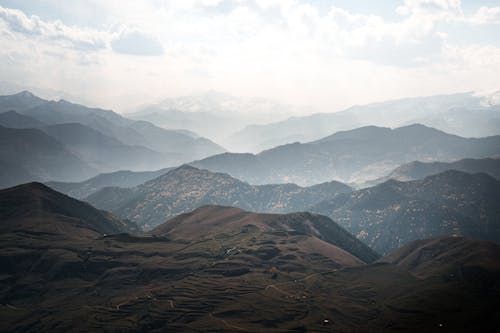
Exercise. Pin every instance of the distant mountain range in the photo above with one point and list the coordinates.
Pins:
(351, 156)
(103, 140)
(393, 213)
(30, 153)
(103, 152)
(124, 179)
(419, 170)
(214, 268)
(129, 132)
(186, 188)
(12, 119)
(212, 114)
(465, 114)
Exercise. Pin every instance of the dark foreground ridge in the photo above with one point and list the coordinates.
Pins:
(221, 269)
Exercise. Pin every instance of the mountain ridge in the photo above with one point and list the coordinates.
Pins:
(452, 113)
(130, 132)
(351, 156)
(33, 203)
(394, 212)
(185, 188)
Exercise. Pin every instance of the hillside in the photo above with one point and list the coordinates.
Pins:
(123, 178)
(393, 213)
(12, 119)
(419, 170)
(35, 208)
(186, 188)
(453, 257)
(40, 156)
(176, 281)
(351, 156)
(103, 152)
(314, 232)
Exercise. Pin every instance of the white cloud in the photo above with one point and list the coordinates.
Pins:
(55, 31)
(486, 15)
(135, 42)
(435, 9)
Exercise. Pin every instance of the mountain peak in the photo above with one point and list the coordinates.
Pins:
(417, 126)
(185, 167)
(25, 94)
(32, 186)
(188, 173)
(25, 204)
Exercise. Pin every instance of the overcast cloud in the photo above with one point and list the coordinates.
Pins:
(327, 54)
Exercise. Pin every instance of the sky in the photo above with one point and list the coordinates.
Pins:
(326, 55)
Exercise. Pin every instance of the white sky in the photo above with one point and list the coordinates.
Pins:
(327, 54)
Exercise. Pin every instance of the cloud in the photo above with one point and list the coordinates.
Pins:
(434, 9)
(54, 31)
(486, 15)
(293, 50)
(135, 42)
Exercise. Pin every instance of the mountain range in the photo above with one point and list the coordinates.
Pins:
(30, 153)
(124, 179)
(464, 114)
(394, 213)
(212, 114)
(103, 140)
(214, 268)
(213, 241)
(419, 170)
(357, 155)
(186, 188)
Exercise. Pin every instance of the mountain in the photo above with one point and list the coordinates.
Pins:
(38, 155)
(315, 232)
(188, 146)
(103, 152)
(448, 256)
(12, 119)
(350, 156)
(212, 114)
(176, 281)
(123, 178)
(419, 170)
(464, 114)
(36, 208)
(12, 174)
(186, 188)
(177, 146)
(10, 88)
(393, 213)
(19, 102)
